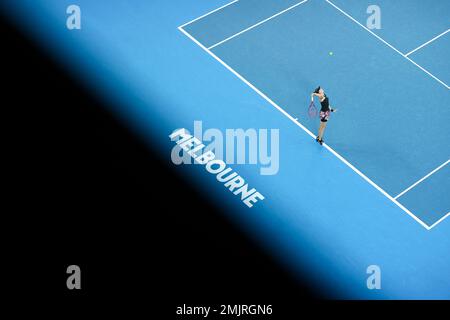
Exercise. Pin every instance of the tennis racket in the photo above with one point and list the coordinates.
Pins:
(312, 110)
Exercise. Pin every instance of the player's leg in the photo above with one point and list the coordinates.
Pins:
(322, 127)
(320, 130)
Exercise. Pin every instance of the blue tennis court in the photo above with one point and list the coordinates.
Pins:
(376, 193)
(391, 127)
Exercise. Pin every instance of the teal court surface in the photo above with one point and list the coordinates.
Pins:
(391, 90)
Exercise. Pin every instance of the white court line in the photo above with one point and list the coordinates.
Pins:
(304, 128)
(389, 45)
(257, 24)
(207, 14)
(440, 220)
(424, 178)
(427, 43)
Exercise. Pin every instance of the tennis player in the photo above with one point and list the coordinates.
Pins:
(324, 111)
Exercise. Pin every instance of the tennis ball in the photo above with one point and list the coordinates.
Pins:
(331, 53)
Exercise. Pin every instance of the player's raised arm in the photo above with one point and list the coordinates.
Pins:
(317, 92)
(314, 94)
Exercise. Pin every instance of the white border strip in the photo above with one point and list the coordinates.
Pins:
(427, 43)
(389, 45)
(207, 14)
(257, 24)
(424, 178)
